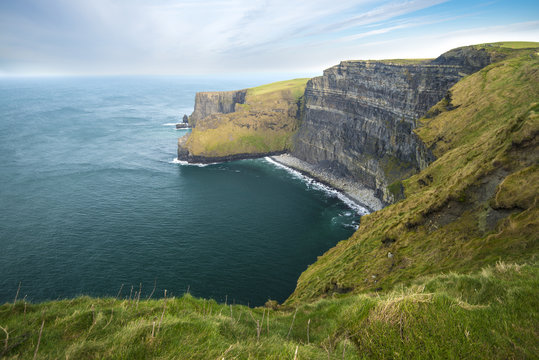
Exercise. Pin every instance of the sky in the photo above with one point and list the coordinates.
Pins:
(189, 37)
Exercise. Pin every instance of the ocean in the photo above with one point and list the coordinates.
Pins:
(92, 201)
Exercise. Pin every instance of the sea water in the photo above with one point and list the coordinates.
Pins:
(92, 201)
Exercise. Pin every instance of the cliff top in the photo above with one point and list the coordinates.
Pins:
(471, 58)
(296, 86)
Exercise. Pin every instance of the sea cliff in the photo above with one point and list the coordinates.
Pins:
(355, 123)
(243, 124)
(215, 102)
(360, 116)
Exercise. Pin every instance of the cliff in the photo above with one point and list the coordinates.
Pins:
(359, 116)
(243, 124)
(356, 122)
(209, 103)
(475, 205)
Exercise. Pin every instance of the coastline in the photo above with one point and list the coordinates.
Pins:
(354, 192)
(196, 159)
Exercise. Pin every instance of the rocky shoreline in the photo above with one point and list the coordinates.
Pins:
(352, 190)
(194, 159)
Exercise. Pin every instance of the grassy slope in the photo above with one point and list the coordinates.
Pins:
(489, 314)
(485, 131)
(265, 123)
(515, 44)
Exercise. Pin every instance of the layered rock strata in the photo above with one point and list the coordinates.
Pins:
(359, 117)
(214, 102)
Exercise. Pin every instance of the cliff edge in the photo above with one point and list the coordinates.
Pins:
(360, 116)
(243, 124)
(355, 122)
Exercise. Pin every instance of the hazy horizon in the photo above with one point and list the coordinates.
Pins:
(167, 37)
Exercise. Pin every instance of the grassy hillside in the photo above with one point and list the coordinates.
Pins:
(265, 123)
(489, 314)
(476, 204)
(514, 44)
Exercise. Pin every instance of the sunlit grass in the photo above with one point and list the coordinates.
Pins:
(489, 314)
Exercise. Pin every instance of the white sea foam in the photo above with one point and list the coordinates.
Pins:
(185, 163)
(174, 124)
(318, 185)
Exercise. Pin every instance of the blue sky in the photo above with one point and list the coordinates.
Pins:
(234, 36)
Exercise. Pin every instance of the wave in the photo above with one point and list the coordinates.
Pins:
(169, 124)
(318, 185)
(185, 163)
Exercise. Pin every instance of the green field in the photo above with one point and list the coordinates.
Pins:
(491, 314)
(296, 86)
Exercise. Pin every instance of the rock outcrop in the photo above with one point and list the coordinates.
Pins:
(214, 102)
(359, 116)
(470, 58)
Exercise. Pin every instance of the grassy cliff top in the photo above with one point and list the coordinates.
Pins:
(295, 86)
(492, 314)
(497, 48)
(512, 44)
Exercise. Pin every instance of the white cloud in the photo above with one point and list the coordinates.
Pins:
(189, 36)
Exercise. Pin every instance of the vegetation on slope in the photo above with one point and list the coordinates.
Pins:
(512, 44)
(491, 314)
(264, 123)
(476, 204)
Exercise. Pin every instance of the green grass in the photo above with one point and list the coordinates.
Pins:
(515, 44)
(492, 314)
(476, 204)
(296, 86)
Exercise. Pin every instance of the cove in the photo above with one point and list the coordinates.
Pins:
(92, 199)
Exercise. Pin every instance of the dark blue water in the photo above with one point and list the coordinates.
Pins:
(90, 198)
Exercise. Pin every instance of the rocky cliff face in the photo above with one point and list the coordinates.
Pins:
(208, 103)
(359, 116)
